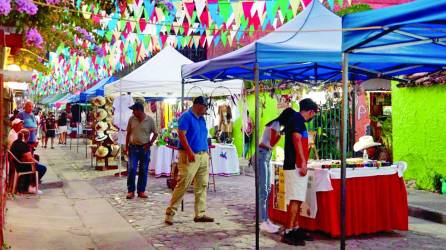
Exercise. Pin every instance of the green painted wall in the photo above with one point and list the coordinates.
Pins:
(419, 132)
(267, 114)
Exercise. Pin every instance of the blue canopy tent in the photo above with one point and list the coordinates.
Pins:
(309, 49)
(306, 49)
(411, 35)
(96, 90)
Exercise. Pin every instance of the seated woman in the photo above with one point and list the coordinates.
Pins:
(21, 150)
(374, 150)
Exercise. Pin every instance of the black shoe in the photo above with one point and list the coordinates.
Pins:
(204, 218)
(290, 239)
(302, 234)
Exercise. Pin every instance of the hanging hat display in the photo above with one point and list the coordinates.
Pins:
(113, 136)
(101, 126)
(102, 151)
(109, 100)
(100, 136)
(114, 150)
(100, 115)
(98, 101)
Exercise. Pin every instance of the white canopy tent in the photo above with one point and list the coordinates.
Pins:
(161, 77)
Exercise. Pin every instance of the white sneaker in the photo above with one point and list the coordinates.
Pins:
(39, 192)
(273, 225)
(266, 227)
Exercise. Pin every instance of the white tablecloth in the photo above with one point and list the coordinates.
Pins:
(224, 160)
(160, 160)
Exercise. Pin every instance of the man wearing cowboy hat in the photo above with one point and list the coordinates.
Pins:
(192, 161)
(139, 130)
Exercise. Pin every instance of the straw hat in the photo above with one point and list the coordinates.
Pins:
(112, 127)
(102, 151)
(100, 136)
(101, 126)
(113, 136)
(100, 115)
(98, 101)
(109, 99)
(114, 150)
(365, 142)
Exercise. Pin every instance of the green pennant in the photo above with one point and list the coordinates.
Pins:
(224, 38)
(121, 25)
(251, 30)
(146, 41)
(181, 31)
(225, 10)
(284, 6)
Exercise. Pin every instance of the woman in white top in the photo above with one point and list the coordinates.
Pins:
(271, 135)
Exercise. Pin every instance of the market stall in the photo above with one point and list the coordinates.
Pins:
(161, 90)
(376, 200)
(295, 52)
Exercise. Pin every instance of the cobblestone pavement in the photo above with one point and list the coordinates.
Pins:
(232, 206)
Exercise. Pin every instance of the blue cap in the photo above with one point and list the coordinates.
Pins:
(137, 106)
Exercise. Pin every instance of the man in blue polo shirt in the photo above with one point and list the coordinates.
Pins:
(192, 162)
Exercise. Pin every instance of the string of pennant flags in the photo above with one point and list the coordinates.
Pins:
(139, 29)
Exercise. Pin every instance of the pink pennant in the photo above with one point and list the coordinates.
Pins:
(247, 6)
(122, 6)
(142, 24)
(190, 8)
(163, 39)
(186, 27)
(204, 18)
(96, 19)
(203, 40)
(306, 2)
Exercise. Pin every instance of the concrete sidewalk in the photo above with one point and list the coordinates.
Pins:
(427, 205)
(70, 214)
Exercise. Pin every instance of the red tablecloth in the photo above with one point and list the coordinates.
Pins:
(373, 204)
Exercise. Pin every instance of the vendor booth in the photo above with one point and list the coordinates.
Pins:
(376, 199)
(158, 83)
(296, 52)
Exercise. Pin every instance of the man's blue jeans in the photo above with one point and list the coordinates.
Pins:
(138, 159)
(264, 169)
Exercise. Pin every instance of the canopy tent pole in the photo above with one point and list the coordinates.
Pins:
(182, 111)
(257, 118)
(120, 131)
(182, 95)
(344, 125)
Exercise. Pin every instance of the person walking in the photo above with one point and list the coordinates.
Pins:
(62, 127)
(42, 125)
(50, 129)
(271, 135)
(141, 134)
(192, 162)
(295, 170)
(247, 132)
